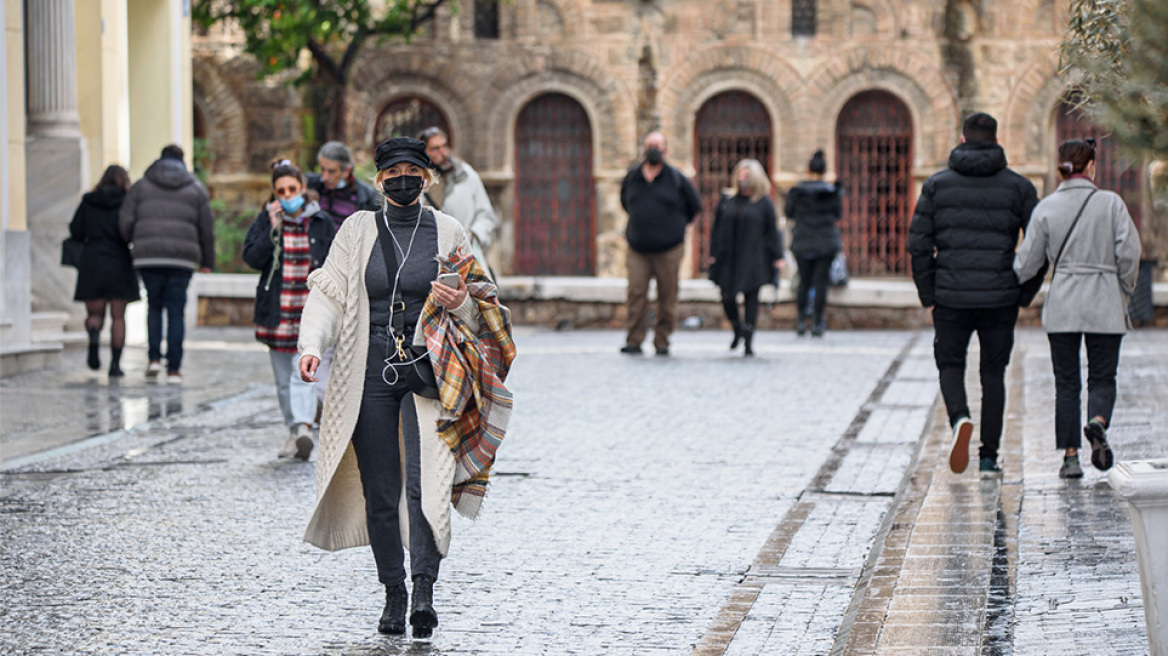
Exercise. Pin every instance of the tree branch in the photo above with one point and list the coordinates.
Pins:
(326, 62)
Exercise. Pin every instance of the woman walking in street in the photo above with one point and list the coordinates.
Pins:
(1089, 236)
(415, 406)
(106, 275)
(746, 248)
(814, 206)
(289, 238)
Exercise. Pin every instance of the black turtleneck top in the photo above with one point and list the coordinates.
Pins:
(417, 270)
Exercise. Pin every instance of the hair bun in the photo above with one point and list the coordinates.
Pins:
(1067, 168)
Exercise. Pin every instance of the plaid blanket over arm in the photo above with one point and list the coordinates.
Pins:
(471, 367)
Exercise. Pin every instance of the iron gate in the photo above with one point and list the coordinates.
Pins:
(555, 197)
(730, 127)
(1111, 171)
(874, 154)
(406, 117)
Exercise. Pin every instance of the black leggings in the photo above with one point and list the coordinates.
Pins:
(750, 304)
(814, 273)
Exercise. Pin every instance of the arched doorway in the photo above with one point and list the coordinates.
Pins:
(406, 117)
(555, 197)
(730, 127)
(1112, 172)
(874, 154)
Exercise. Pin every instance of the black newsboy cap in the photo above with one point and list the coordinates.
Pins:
(401, 149)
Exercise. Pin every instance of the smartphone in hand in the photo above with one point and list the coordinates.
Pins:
(449, 279)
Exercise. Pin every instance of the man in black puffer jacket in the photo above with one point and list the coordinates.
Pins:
(962, 240)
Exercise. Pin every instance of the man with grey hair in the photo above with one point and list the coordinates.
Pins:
(460, 193)
(340, 193)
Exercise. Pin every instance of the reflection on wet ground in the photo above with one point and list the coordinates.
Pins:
(47, 409)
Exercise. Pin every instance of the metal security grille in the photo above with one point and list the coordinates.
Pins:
(406, 117)
(874, 141)
(1111, 171)
(555, 197)
(730, 127)
(803, 17)
(486, 19)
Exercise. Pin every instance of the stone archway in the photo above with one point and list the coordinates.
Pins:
(223, 119)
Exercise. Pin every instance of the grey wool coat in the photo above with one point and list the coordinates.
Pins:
(1089, 291)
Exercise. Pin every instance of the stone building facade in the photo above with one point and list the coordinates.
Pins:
(549, 100)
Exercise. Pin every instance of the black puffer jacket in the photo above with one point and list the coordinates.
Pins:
(965, 229)
(814, 207)
(259, 249)
(166, 218)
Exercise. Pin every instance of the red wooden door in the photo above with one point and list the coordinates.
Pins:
(874, 154)
(555, 197)
(406, 117)
(730, 127)
(1112, 172)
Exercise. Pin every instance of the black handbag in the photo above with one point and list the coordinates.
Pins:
(419, 372)
(71, 250)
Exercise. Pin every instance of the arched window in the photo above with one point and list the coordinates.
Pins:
(730, 127)
(406, 117)
(1112, 172)
(555, 197)
(874, 154)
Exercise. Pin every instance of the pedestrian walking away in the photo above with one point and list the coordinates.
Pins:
(289, 239)
(660, 202)
(459, 192)
(746, 248)
(1092, 241)
(166, 218)
(814, 206)
(961, 240)
(416, 406)
(105, 277)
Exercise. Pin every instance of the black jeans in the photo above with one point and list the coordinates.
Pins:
(166, 290)
(377, 445)
(1102, 363)
(995, 333)
(750, 307)
(814, 272)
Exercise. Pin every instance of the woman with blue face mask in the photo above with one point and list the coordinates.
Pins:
(289, 239)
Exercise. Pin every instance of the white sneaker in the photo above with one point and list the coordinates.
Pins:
(959, 456)
(153, 369)
(303, 441)
(289, 449)
(174, 379)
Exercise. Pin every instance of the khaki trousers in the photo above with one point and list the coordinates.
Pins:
(665, 267)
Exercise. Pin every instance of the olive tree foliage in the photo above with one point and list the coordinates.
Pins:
(1119, 51)
(277, 32)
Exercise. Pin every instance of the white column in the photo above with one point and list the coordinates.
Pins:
(52, 72)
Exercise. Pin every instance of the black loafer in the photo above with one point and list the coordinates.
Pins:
(1101, 455)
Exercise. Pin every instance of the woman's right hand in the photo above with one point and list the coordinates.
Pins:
(308, 365)
(275, 213)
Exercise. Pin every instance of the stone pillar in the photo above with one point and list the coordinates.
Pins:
(52, 70)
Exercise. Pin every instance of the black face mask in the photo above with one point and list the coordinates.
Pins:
(654, 156)
(404, 189)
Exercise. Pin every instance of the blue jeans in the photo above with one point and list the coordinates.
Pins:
(166, 289)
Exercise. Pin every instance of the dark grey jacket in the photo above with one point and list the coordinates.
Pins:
(166, 218)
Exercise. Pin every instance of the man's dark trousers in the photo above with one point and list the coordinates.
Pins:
(166, 290)
(995, 333)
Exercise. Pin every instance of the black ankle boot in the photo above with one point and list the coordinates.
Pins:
(115, 369)
(748, 341)
(737, 335)
(393, 618)
(819, 327)
(801, 325)
(422, 615)
(94, 360)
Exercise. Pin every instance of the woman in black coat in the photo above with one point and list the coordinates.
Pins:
(746, 248)
(814, 207)
(106, 275)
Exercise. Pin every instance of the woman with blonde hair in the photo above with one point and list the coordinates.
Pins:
(1088, 235)
(415, 407)
(746, 248)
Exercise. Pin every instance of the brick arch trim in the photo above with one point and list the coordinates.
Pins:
(571, 14)
(1028, 121)
(224, 114)
(886, 19)
(410, 86)
(916, 80)
(711, 71)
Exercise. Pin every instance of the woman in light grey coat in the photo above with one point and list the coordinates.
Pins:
(1089, 236)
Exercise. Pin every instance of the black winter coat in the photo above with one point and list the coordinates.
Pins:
(745, 242)
(965, 230)
(106, 269)
(259, 248)
(815, 207)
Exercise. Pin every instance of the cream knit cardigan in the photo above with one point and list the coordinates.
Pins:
(337, 313)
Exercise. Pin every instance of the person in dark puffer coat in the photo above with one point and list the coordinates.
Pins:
(106, 275)
(814, 207)
(962, 239)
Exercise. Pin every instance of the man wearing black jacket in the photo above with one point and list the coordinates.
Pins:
(660, 202)
(962, 240)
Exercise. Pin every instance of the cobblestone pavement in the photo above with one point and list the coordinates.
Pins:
(631, 501)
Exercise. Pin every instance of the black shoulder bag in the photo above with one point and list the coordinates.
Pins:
(1054, 268)
(419, 372)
